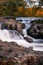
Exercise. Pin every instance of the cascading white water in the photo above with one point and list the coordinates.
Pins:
(9, 35)
(37, 43)
(14, 36)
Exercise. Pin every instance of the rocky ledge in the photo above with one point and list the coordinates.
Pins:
(36, 29)
(13, 54)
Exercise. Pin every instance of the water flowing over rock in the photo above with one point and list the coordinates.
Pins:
(9, 35)
(14, 36)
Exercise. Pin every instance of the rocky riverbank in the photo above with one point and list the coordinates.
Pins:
(13, 54)
(36, 29)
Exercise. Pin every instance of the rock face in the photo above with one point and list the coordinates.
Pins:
(36, 30)
(13, 54)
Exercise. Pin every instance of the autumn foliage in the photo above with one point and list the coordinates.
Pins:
(29, 12)
(39, 13)
(18, 9)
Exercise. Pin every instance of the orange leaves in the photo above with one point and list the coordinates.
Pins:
(29, 9)
(39, 13)
(26, 12)
(30, 12)
(20, 9)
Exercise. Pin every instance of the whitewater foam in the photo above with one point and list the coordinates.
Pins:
(6, 35)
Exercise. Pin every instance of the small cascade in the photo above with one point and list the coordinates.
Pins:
(6, 35)
(14, 36)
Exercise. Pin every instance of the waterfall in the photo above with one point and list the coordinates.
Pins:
(14, 36)
(9, 35)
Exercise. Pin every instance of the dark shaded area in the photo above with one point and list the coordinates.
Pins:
(36, 29)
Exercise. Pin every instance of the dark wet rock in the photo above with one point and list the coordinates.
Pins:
(23, 25)
(28, 39)
(36, 30)
(10, 50)
(13, 27)
(39, 21)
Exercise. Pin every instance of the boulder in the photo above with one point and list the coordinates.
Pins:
(36, 30)
(28, 39)
(13, 27)
(19, 27)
